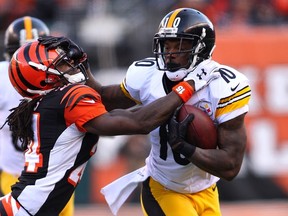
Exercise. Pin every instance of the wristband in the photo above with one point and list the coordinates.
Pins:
(184, 91)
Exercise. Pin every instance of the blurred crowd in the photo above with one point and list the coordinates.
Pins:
(109, 28)
(245, 12)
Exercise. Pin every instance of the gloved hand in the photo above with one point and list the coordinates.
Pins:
(177, 132)
(73, 51)
(203, 74)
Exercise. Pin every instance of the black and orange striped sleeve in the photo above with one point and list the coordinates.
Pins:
(82, 105)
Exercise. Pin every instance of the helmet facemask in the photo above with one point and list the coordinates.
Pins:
(184, 24)
(197, 46)
(70, 75)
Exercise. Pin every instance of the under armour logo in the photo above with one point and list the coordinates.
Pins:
(203, 73)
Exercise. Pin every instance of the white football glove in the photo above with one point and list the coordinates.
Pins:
(203, 74)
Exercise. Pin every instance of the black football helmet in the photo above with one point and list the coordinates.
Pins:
(185, 24)
(23, 30)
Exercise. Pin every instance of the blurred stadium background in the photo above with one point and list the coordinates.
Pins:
(252, 36)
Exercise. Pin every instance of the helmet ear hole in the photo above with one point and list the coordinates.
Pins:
(43, 83)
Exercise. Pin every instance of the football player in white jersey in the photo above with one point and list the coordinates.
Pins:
(20, 31)
(60, 120)
(181, 179)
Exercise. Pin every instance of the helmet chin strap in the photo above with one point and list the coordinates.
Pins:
(75, 78)
(177, 75)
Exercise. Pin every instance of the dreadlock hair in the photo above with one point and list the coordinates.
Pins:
(20, 121)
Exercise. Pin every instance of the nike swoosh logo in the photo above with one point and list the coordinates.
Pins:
(89, 101)
(233, 89)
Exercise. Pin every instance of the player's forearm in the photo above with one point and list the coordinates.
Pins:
(138, 120)
(113, 98)
(111, 95)
(157, 112)
(224, 162)
(91, 82)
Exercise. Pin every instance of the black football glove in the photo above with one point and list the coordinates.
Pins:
(177, 132)
(73, 51)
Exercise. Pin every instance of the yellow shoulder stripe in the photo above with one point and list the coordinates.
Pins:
(233, 102)
(126, 93)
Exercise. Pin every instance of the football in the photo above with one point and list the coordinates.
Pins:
(201, 131)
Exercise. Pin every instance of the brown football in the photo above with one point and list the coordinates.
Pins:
(201, 131)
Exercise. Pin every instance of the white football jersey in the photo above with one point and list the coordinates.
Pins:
(11, 160)
(224, 99)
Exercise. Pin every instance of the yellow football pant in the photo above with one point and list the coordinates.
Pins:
(157, 200)
(6, 180)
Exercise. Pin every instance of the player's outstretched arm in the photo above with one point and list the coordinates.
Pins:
(142, 119)
(112, 95)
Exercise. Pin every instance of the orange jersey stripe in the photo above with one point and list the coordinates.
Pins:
(69, 92)
(83, 104)
(7, 205)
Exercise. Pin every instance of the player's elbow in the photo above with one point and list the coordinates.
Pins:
(229, 177)
(231, 173)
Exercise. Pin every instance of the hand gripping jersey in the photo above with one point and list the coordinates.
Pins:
(225, 98)
(55, 161)
(11, 159)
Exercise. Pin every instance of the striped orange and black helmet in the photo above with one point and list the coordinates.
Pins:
(32, 69)
(23, 30)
